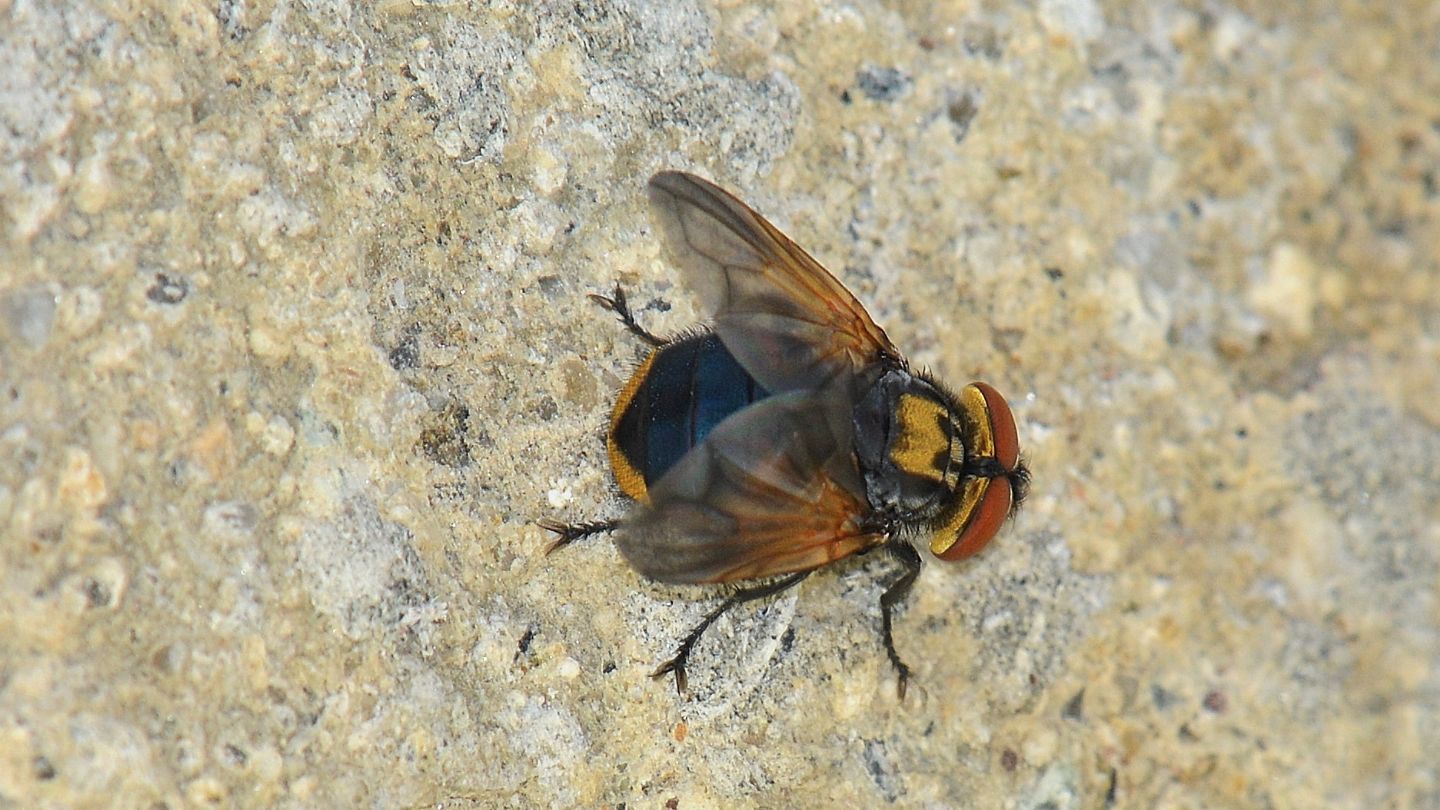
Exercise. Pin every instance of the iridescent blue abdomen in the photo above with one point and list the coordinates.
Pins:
(677, 396)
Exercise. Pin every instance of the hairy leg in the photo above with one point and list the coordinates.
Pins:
(897, 591)
(677, 664)
(567, 533)
(618, 305)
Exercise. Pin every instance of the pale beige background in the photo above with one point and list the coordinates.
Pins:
(294, 346)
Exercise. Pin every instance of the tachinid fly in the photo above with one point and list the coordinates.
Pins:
(793, 433)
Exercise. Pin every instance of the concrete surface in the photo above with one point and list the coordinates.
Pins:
(294, 347)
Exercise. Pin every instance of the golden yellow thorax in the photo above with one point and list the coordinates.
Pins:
(921, 446)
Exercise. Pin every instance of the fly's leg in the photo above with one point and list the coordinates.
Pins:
(618, 305)
(897, 591)
(567, 533)
(677, 664)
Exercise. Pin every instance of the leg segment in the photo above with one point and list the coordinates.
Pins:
(677, 664)
(618, 305)
(897, 591)
(567, 533)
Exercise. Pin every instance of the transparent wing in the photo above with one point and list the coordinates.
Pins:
(772, 490)
(789, 322)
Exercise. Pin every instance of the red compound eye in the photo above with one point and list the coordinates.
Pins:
(984, 503)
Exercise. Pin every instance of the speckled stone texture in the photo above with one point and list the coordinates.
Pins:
(295, 347)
